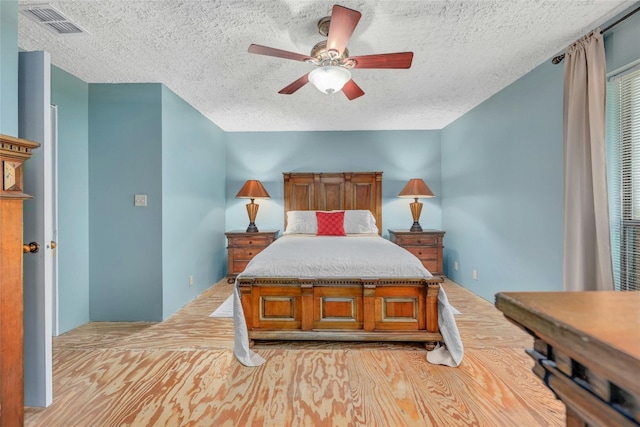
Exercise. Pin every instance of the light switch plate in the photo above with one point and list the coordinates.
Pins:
(140, 200)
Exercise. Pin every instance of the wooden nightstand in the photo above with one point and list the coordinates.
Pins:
(243, 246)
(426, 245)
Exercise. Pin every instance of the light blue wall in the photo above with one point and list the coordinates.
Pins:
(9, 67)
(193, 202)
(400, 155)
(71, 95)
(502, 180)
(146, 140)
(503, 188)
(125, 158)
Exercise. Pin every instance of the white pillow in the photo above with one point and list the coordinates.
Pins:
(359, 221)
(355, 222)
(301, 222)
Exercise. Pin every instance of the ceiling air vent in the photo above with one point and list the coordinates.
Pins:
(51, 18)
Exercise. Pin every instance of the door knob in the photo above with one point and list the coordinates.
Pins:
(32, 247)
(52, 245)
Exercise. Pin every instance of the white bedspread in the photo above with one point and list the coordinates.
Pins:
(358, 255)
(365, 256)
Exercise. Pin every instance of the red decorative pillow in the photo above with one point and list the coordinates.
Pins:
(330, 223)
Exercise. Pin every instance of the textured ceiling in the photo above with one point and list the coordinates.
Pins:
(464, 52)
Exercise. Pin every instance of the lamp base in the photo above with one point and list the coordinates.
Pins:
(415, 227)
(252, 211)
(416, 208)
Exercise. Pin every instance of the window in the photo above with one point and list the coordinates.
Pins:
(623, 170)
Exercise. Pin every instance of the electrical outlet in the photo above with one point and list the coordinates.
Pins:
(475, 274)
(140, 200)
(455, 265)
(190, 280)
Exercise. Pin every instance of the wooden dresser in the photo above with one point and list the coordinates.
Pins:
(243, 246)
(426, 245)
(586, 349)
(13, 153)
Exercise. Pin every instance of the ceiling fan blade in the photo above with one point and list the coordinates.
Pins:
(295, 85)
(343, 22)
(384, 60)
(278, 53)
(352, 90)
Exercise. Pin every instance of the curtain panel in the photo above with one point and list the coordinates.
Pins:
(587, 245)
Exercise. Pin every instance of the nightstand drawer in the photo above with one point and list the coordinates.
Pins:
(421, 240)
(239, 266)
(257, 240)
(423, 253)
(432, 266)
(245, 253)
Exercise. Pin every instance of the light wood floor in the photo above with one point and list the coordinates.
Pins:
(182, 372)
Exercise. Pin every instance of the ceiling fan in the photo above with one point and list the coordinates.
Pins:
(332, 58)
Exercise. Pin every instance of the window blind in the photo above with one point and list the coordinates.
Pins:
(623, 175)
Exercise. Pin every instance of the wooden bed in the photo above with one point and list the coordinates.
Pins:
(344, 309)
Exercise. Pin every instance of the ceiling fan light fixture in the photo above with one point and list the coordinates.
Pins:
(330, 78)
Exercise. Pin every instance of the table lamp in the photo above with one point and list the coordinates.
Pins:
(415, 188)
(252, 189)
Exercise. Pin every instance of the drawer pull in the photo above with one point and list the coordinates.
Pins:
(250, 242)
(250, 253)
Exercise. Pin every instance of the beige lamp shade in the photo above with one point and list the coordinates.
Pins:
(252, 189)
(415, 188)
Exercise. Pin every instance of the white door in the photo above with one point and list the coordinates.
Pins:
(34, 123)
(54, 222)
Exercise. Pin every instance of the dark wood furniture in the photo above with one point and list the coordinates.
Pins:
(346, 308)
(13, 153)
(586, 349)
(426, 245)
(243, 246)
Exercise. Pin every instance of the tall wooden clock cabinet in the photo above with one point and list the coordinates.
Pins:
(13, 153)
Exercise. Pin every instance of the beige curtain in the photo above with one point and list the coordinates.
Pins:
(587, 245)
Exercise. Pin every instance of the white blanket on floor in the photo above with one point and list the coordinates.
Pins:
(297, 256)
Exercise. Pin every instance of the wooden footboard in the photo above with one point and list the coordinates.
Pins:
(341, 309)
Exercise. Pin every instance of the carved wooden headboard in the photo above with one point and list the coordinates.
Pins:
(333, 191)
